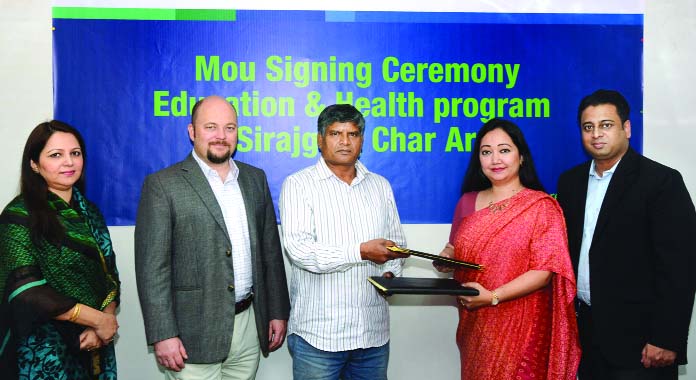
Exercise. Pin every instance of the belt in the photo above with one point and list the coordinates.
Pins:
(243, 304)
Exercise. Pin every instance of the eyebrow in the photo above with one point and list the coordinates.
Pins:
(216, 124)
(501, 144)
(343, 130)
(61, 149)
(601, 121)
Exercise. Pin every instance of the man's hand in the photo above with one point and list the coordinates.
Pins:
(89, 340)
(276, 333)
(377, 252)
(170, 353)
(654, 356)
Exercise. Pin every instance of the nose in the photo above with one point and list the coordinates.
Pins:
(597, 132)
(68, 160)
(343, 139)
(220, 133)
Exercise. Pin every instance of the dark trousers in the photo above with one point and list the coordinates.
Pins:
(594, 366)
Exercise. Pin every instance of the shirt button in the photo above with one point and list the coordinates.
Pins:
(230, 287)
(228, 253)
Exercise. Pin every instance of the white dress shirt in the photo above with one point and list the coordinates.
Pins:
(596, 190)
(324, 220)
(229, 197)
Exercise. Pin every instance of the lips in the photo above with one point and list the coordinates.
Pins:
(69, 173)
(497, 170)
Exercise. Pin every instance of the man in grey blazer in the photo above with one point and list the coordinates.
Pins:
(207, 248)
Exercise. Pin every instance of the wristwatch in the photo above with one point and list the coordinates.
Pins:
(495, 300)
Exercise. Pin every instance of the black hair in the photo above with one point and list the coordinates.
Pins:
(43, 221)
(475, 180)
(340, 113)
(606, 97)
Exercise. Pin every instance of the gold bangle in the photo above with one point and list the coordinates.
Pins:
(494, 298)
(75, 313)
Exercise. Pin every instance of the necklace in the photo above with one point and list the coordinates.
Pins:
(499, 206)
(495, 208)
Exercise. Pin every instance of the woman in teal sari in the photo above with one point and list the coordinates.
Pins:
(58, 277)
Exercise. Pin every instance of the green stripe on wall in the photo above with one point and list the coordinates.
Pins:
(145, 14)
(206, 14)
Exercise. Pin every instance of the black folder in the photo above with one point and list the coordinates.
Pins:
(414, 285)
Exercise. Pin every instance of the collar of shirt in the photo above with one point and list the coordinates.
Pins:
(323, 171)
(212, 173)
(610, 171)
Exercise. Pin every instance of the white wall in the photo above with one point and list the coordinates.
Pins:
(422, 328)
(670, 122)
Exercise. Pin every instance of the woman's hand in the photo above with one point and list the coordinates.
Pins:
(484, 298)
(447, 252)
(106, 327)
(89, 340)
(526, 283)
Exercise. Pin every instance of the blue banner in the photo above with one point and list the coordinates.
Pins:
(425, 82)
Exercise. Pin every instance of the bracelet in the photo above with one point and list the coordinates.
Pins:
(75, 313)
(494, 298)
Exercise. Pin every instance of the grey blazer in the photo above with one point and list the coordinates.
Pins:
(183, 264)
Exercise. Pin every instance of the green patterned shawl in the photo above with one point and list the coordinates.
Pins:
(82, 269)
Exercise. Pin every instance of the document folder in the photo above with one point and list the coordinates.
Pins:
(414, 285)
(438, 259)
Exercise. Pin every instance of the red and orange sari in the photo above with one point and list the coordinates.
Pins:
(532, 337)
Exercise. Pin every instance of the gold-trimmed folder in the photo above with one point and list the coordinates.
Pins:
(437, 259)
(416, 285)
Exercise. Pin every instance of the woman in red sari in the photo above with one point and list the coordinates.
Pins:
(522, 324)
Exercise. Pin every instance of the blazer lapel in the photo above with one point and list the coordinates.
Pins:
(578, 200)
(195, 177)
(246, 186)
(621, 180)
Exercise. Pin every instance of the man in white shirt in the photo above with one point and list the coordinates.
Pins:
(337, 220)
